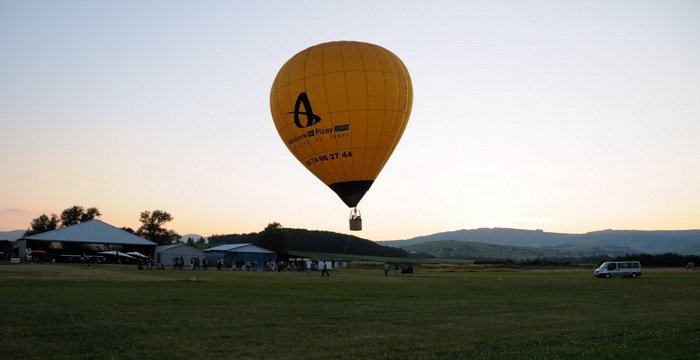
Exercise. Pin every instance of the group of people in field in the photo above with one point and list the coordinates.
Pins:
(221, 264)
(320, 266)
(252, 265)
(406, 269)
(237, 265)
(195, 263)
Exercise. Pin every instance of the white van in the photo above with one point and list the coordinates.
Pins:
(619, 268)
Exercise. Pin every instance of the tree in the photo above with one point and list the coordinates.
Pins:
(78, 214)
(6, 247)
(274, 238)
(152, 227)
(71, 216)
(42, 224)
(90, 214)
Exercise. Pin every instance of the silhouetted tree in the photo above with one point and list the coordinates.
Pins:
(6, 247)
(274, 238)
(152, 227)
(42, 224)
(250, 238)
(71, 216)
(77, 214)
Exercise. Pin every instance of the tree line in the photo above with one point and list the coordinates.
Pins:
(274, 237)
(647, 260)
(312, 241)
(152, 223)
(71, 216)
(660, 260)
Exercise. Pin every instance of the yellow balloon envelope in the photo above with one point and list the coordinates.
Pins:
(341, 108)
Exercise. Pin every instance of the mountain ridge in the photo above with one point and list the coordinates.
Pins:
(684, 242)
(11, 235)
(640, 241)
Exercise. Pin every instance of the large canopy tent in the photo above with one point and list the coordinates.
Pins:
(237, 253)
(86, 238)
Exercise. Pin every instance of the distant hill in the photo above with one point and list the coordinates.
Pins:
(613, 242)
(480, 243)
(194, 237)
(331, 242)
(319, 241)
(11, 235)
(466, 250)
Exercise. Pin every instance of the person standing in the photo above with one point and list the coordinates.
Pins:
(309, 264)
(386, 269)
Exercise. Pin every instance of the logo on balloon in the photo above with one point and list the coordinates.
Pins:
(311, 118)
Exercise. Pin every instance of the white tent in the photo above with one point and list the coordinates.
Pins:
(166, 253)
(86, 237)
(137, 254)
(116, 253)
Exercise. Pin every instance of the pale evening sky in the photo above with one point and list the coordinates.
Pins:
(566, 116)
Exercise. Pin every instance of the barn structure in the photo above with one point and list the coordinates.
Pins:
(240, 255)
(166, 254)
(84, 239)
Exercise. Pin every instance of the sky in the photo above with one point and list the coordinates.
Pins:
(564, 116)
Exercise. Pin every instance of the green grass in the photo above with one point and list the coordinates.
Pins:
(67, 312)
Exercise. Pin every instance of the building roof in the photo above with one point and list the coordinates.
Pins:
(239, 248)
(93, 232)
(160, 248)
(177, 247)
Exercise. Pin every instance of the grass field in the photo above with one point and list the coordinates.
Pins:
(67, 312)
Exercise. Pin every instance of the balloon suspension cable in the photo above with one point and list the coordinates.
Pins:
(355, 220)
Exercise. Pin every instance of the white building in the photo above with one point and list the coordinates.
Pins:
(165, 254)
(85, 238)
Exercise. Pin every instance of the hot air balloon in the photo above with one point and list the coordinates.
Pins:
(340, 108)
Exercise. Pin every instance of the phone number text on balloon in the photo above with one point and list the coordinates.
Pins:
(327, 157)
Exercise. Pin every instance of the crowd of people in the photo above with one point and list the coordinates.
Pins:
(195, 263)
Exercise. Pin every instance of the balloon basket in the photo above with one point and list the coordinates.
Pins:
(355, 220)
(356, 224)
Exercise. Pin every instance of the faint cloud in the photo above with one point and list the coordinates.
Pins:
(15, 210)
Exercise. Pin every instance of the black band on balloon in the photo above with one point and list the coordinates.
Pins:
(351, 192)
